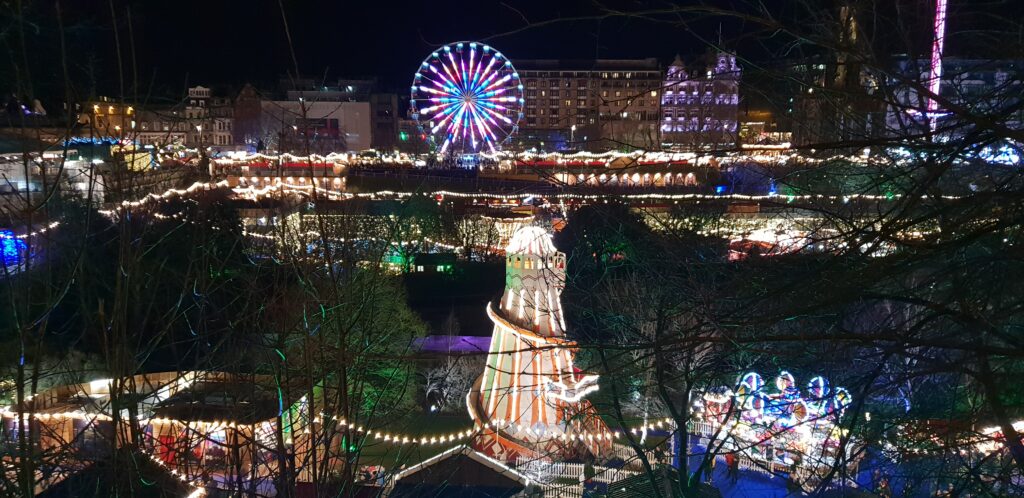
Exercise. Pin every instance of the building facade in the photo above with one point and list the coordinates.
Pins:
(321, 126)
(384, 120)
(210, 118)
(993, 88)
(202, 119)
(591, 104)
(699, 105)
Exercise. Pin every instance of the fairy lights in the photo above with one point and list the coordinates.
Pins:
(255, 193)
(28, 235)
(198, 487)
(169, 193)
(57, 416)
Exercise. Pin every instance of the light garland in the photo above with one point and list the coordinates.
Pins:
(252, 192)
(401, 439)
(167, 194)
(50, 226)
(198, 487)
(68, 415)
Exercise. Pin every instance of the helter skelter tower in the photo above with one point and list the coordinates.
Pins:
(530, 398)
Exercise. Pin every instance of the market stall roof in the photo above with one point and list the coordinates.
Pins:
(239, 401)
(459, 472)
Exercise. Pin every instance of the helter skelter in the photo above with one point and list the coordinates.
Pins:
(530, 399)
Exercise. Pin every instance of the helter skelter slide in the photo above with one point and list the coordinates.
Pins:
(529, 401)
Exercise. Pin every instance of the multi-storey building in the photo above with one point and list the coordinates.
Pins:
(321, 126)
(348, 115)
(108, 119)
(246, 128)
(590, 104)
(201, 120)
(992, 88)
(384, 117)
(699, 106)
(210, 118)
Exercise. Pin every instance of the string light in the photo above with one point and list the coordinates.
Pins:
(74, 415)
(169, 193)
(48, 227)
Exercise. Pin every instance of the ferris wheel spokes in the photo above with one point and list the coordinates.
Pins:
(467, 99)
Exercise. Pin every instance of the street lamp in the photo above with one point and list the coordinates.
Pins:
(199, 128)
(572, 134)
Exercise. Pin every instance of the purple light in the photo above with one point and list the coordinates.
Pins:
(470, 98)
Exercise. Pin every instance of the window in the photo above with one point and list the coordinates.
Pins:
(554, 93)
(618, 93)
(543, 93)
(581, 103)
(568, 103)
(654, 93)
(604, 93)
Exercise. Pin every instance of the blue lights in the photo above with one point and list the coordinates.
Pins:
(12, 248)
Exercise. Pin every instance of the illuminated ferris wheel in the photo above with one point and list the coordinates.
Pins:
(467, 98)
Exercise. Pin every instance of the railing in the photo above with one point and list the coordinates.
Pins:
(564, 479)
(632, 460)
(765, 462)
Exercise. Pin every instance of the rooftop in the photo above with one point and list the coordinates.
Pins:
(649, 64)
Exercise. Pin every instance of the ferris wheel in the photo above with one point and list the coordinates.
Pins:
(467, 98)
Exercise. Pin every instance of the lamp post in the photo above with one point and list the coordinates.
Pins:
(572, 133)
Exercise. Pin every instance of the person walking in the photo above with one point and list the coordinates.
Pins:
(732, 464)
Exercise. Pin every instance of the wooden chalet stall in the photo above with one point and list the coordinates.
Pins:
(68, 421)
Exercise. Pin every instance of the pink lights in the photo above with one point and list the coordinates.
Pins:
(467, 97)
(935, 74)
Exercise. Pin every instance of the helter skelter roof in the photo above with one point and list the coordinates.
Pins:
(531, 240)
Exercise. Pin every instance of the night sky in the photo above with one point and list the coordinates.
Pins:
(227, 43)
(233, 42)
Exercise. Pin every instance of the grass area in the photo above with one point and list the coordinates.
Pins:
(379, 452)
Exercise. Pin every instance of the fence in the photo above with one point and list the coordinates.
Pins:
(764, 459)
(564, 479)
(631, 459)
